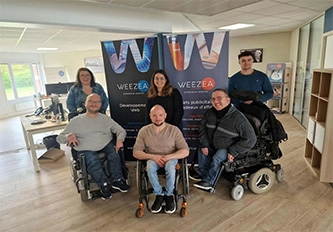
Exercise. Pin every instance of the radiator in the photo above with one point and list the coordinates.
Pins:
(24, 106)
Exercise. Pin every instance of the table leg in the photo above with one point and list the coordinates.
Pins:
(25, 137)
(33, 152)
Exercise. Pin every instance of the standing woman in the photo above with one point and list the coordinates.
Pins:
(85, 85)
(162, 93)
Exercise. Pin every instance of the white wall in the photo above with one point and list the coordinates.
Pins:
(276, 49)
(73, 61)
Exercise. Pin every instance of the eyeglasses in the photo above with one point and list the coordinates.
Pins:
(218, 98)
(94, 102)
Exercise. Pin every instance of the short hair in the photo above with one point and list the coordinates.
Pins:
(245, 53)
(221, 90)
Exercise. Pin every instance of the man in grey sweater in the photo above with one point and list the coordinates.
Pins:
(224, 133)
(92, 132)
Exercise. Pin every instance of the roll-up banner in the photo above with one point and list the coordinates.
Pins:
(129, 65)
(196, 64)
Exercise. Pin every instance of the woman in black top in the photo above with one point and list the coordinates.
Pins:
(162, 93)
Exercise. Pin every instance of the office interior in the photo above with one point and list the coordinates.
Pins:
(116, 20)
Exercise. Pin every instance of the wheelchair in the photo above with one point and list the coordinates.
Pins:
(145, 189)
(84, 183)
(254, 170)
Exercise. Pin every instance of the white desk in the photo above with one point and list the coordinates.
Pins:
(30, 130)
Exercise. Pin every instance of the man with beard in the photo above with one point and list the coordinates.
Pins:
(92, 132)
(161, 144)
(224, 133)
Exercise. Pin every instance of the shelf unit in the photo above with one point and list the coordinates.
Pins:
(319, 141)
(279, 76)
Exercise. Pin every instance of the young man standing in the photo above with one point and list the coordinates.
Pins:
(249, 79)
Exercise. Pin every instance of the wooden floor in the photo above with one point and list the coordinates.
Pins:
(48, 201)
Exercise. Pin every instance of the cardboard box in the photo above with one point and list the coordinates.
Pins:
(51, 155)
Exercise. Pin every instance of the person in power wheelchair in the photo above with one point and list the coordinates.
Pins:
(91, 133)
(224, 133)
(161, 145)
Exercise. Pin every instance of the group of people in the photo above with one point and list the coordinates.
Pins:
(224, 132)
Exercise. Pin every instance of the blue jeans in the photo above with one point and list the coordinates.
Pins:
(170, 172)
(209, 166)
(94, 166)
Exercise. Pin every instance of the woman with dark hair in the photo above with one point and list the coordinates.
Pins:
(162, 93)
(85, 85)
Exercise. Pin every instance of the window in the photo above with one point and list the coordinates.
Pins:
(308, 58)
(20, 80)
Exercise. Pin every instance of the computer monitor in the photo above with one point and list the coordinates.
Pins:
(58, 88)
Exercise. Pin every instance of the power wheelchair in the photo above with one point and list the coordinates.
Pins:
(84, 183)
(254, 170)
(145, 189)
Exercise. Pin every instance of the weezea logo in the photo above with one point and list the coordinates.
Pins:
(118, 63)
(209, 59)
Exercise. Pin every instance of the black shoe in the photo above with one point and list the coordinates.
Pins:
(121, 186)
(194, 175)
(105, 191)
(157, 206)
(203, 185)
(169, 204)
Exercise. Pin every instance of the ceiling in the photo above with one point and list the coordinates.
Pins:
(268, 16)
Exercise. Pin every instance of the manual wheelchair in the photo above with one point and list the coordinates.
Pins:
(145, 189)
(85, 185)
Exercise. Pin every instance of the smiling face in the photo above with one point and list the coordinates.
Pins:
(159, 80)
(93, 103)
(220, 100)
(157, 115)
(246, 63)
(85, 77)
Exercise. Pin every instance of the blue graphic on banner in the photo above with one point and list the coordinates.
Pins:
(196, 71)
(127, 79)
(118, 63)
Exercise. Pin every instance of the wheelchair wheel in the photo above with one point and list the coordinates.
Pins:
(185, 178)
(84, 195)
(262, 181)
(73, 170)
(139, 211)
(279, 175)
(184, 209)
(237, 192)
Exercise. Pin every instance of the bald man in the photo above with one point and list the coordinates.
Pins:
(161, 144)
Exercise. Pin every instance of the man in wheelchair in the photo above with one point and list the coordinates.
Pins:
(92, 132)
(224, 133)
(161, 144)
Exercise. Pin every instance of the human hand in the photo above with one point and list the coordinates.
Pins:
(248, 102)
(230, 158)
(160, 160)
(72, 140)
(204, 151)
(119, 144)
